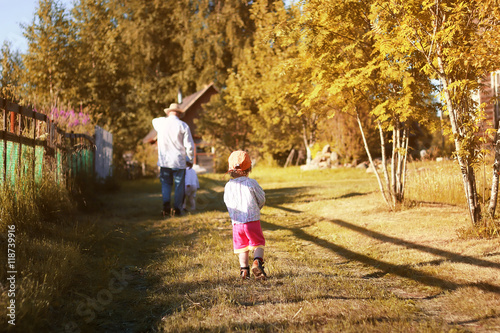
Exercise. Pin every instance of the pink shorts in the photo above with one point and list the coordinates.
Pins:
(247, 236)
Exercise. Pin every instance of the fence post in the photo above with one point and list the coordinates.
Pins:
(4, 148)
(71, 164)
(34, 149)
(13, 122)
(20, 147)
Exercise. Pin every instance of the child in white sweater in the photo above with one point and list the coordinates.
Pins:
(244, 198)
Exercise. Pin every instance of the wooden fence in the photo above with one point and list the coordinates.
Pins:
(31, 144)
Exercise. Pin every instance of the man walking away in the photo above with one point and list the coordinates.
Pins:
(175, 145)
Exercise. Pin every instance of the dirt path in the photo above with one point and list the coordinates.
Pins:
(113, 297)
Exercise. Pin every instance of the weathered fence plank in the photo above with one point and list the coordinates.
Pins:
(103, 153)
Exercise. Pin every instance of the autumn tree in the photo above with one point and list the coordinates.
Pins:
(319, 49)
(406, 101)
(213, 35)
(255, 96)
(49, 73)
(349, 72)
(457, 42)
(104, 75)
(294, 84)
(276, 127)
(10, 72)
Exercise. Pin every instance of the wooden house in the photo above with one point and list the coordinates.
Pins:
(192, 106)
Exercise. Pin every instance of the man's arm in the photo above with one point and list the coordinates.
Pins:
(189, 144)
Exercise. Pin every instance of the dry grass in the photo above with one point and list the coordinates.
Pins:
(337, 260)
(46, 250)
(433, 182)
(441, 182)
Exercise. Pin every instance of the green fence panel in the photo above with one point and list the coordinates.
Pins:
(66, 163)
(78, 158)
(27, 159)
(2, 149)
(22, 164)
(30, 158)
(74, 164)
(12, 162)
(89, 161)
(39, 154)
(59, 165)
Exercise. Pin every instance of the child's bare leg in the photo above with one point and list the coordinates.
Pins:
(243, 259)
(244, 268)
(259, 253)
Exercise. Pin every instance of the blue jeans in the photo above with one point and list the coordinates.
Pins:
(169, 177)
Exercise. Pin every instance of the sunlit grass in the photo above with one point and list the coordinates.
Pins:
(435, 182)
(330, 237)
(441, 182)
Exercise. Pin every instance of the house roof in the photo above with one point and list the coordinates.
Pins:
(191, 99)
(186, 104)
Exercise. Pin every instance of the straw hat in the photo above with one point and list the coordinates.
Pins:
(174, 107)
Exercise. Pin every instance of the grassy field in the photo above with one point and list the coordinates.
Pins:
(337, 261)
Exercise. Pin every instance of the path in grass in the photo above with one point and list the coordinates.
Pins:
(337, 261)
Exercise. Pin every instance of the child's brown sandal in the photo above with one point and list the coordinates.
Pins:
(258, 269)
(245, 273)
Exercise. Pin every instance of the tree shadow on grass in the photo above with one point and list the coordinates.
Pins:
(405, 271)
(277, 197)
(450, 256)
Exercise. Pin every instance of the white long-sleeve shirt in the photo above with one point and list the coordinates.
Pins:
(175, 142)
(244, 198)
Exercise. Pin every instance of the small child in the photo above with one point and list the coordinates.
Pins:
(244, 198)
(192, 185)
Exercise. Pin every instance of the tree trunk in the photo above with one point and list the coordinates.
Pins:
(306, 143)
(395, 141)
(400, 172)
(496, 175)
(290, 157)
(398, 163)
(384, 160)
(381, 186)
(403, 183)
(465, 167)
(471, 193)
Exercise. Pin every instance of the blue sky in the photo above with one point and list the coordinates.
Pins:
(15, 12)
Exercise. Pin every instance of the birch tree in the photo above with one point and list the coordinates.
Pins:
(450, 37)
(344, 63)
